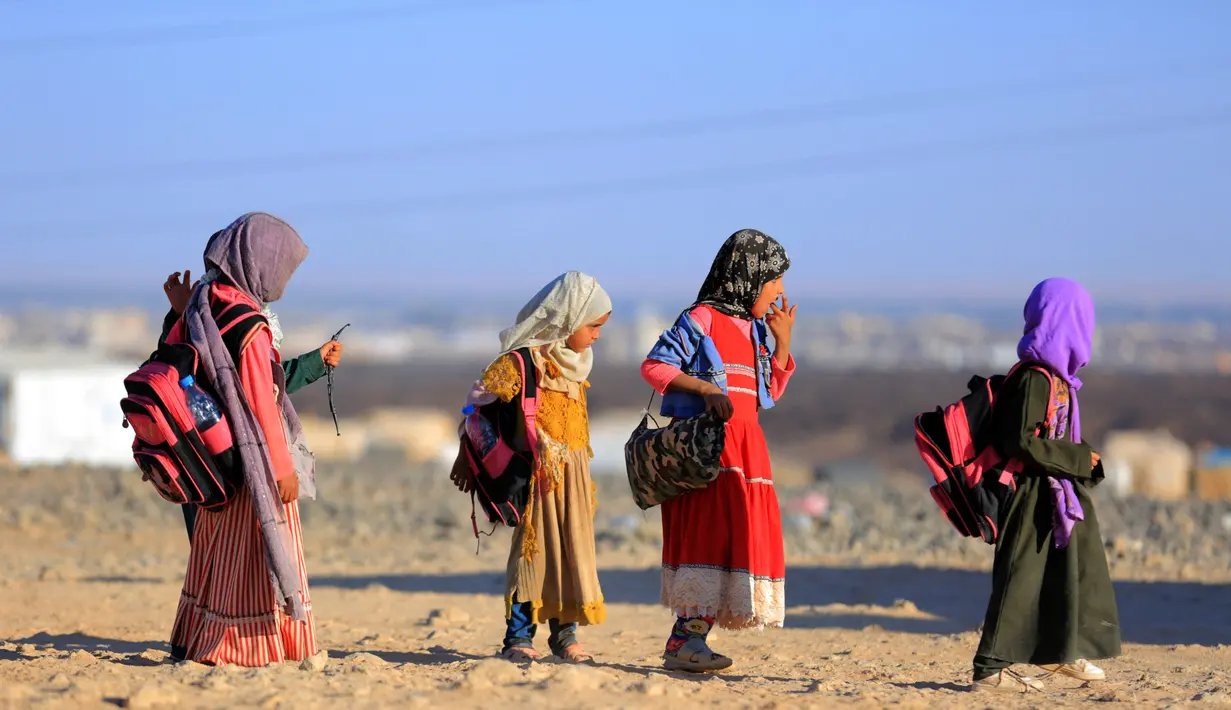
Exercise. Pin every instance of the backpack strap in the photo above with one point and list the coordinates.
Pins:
(236, 323)
(529, 397)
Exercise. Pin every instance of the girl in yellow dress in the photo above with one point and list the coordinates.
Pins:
(552, 572)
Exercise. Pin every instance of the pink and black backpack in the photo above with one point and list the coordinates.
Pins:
(186, 465)
(502, 477)
(974, 484)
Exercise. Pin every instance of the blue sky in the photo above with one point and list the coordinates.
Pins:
(906, 149)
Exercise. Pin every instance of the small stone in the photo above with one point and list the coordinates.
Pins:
(365, 660)
(491, 672)
(447, 617)
(905, 605)
(579, 678)
(63, 572)
(187, 670)
(26, 649)
(154, 655)
(216, 681)
(82, 657)
(651, 687)
(1114, 695)
(315, 664)
(151, 695)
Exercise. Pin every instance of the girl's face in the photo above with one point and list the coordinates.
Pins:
(587, 334)
(771, 292)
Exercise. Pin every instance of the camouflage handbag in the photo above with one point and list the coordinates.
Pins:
(669, 461)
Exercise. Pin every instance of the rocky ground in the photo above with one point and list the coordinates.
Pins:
(884, 602)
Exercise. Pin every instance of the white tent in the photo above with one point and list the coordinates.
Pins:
(63, 407)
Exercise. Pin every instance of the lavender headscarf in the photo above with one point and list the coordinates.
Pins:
(1059, 333)
(257, 254)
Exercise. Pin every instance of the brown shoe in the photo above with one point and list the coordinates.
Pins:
(1006, 681)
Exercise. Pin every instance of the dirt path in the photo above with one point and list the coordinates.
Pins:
(892, 635)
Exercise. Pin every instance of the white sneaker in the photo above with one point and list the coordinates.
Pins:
(1081, 669)
(1006, 681)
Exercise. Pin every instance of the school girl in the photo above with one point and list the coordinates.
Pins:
(722, 545)
(245, 596)
(1052, 602)
(552, 574)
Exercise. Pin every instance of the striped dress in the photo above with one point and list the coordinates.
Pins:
(228, 610)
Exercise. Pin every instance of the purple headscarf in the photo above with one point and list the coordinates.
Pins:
(1059, 333)
(257, 254)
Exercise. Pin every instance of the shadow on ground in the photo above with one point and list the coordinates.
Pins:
(435, 656)
(1150, 612)
(125, 653)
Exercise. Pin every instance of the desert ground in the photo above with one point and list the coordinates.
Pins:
(884, 604)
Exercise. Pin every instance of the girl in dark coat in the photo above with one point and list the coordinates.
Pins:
(1052, 601)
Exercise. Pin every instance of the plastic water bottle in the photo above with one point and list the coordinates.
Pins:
(205, 410)
(479, 431)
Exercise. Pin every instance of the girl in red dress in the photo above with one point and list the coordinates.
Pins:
(722, 545)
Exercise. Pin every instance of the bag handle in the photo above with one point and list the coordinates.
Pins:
(646, 413)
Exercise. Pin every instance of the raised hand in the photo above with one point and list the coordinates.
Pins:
(781, 320)
(178, 292)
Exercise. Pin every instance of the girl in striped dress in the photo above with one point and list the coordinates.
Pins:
(245, 597)
(723, 558)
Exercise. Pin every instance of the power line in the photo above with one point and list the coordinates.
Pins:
(732, 175)
(862, 107)
(237, 29)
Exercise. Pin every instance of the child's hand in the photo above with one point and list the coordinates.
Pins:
(331, 353)
(1094, 459)
(288, 489)
(781, 320)
(178, 292)
(720, 404)
(461, 475)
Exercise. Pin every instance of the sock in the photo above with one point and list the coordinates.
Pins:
(685, 629)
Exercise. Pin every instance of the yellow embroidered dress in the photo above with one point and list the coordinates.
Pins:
(552, 564)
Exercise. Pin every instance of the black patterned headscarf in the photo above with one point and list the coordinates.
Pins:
(747, 261)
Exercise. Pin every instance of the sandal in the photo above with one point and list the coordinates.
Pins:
(575, 653)
(695, 656)
(520, 654)
(1006, 681)
(1081, 669)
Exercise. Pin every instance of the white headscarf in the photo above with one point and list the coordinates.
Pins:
(560, 309)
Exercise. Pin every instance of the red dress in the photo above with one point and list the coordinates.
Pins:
(722, 545)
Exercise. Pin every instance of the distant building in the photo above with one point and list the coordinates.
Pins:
(59, 407)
